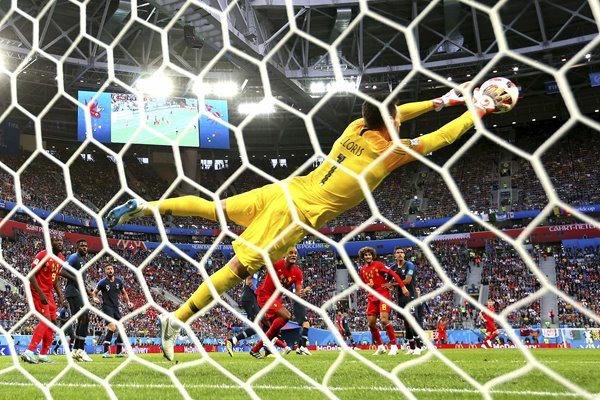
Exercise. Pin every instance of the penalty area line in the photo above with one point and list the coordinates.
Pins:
(271, 387)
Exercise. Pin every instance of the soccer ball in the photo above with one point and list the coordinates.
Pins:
(501, 86)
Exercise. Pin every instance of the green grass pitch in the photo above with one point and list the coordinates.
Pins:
(429, 379)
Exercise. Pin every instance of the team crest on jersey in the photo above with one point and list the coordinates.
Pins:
(107, 288)
(414, 143)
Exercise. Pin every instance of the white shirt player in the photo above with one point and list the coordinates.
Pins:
(589, 341)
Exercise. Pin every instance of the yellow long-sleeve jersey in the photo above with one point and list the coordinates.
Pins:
(329, 190)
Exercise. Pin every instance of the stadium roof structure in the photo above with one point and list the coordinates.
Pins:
(453, 39)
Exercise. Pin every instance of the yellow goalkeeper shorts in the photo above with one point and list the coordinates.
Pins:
(266, 214)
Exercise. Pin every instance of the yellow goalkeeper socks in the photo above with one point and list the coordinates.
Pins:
(186, 206)
(223, 280)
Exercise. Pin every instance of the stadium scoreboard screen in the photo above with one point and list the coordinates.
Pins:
(116, 117)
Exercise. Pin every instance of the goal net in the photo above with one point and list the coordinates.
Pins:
(508, 213)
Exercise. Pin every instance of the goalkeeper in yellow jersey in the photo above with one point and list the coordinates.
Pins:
(316, 198)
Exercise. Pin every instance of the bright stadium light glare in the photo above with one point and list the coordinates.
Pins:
(318, 87)
(226, 89)
(262, 107)
(221, 89)
(343, 86)
(157, 85)
(321, 87)
(201, 88)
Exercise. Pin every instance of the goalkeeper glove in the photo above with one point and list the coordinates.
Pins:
(453, 98)
(489, 101)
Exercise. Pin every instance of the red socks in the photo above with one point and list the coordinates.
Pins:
(271, 333)
(376, 336)
(38, 334)
(47, 341)
(389, 329)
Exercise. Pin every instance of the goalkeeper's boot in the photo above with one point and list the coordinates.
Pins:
(28, 357)
(120, 355)
(380, 350)
(123, 213)
(106, 355)
(453, 98)
(168, 334)
(229, 347)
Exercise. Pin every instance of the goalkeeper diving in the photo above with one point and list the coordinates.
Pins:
(320, 196)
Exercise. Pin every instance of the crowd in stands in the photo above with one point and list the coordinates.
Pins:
(570, 167)
(578, 275)
(171, 280)
(510, 280)
(477, 174)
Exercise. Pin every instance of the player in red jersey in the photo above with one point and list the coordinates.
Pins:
(289, 274)
(490, 327)
(442, 334)
(47, 267)
(338, 323)
(372, 273)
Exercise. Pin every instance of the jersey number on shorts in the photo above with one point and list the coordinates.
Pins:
(339, 160)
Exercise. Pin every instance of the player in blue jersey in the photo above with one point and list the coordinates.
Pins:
(75, 298)
(62, 316)
(249, 303)
(341, 322)
(408, 272)
(299, 317)
(111, 288)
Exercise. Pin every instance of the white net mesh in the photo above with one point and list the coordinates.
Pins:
(137, 269)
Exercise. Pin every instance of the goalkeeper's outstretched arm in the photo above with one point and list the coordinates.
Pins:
(409, 111)
(449, 133)
(453, 98)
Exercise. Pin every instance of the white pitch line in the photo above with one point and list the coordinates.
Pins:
(269, 387)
